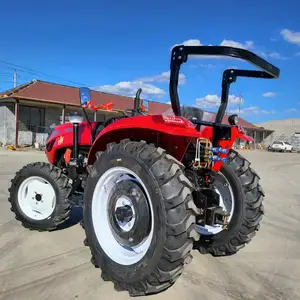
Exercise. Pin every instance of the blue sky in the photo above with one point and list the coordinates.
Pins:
(119, 46)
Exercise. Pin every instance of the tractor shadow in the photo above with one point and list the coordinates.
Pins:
(75, 217)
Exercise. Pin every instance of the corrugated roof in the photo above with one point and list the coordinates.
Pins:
(61, 94)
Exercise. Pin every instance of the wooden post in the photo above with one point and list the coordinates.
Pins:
(17, 122)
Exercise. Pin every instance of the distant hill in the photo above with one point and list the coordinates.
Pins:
(286, 127)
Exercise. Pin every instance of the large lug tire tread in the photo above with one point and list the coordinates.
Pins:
(62, 186)
(180, 213)
(253, 211)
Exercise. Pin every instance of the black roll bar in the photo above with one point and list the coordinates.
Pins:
(180, 55)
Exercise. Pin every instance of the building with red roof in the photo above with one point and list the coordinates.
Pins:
(28, 111)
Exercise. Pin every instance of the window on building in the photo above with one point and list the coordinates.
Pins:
(31, 118)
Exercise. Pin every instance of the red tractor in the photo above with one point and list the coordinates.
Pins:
(154, 187)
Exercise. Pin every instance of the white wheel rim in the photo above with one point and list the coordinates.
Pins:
(33, 206)
(100, 218)
(212, 230)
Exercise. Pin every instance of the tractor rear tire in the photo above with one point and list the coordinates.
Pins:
(35, 210)
(247, 214)
(157, 266)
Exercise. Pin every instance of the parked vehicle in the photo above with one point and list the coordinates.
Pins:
(281, 146)
(154, 186)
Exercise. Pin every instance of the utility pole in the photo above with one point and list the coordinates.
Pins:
(239, 104)
(15, 79)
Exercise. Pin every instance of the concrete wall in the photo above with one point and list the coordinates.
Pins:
(39, 135)
(7, 123)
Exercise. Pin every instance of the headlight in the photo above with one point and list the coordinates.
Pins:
(233, 119)
(75, 118)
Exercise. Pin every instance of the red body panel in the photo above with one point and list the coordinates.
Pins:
(62, 136)
(172, 133)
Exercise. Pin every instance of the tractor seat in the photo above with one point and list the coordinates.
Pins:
(96, 130)
(101, 125)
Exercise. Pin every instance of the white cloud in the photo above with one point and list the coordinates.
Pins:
(269, 94)
(297, 54)
(191, 42)
(213, 101)
(256, 110)
(206, 66)
(290, 36)
(272, 54)
(231, 43)
(163, 77)
(129, 88)
(292, 110)
(251, 110)
(276, 55)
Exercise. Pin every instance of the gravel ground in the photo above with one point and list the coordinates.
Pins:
(56, 265)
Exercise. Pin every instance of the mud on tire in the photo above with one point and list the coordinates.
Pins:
(248, 209)
(174, 214)
(62, 188)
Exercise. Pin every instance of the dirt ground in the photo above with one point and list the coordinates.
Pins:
(57, 266)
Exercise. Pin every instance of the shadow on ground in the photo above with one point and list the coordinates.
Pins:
(74, 219)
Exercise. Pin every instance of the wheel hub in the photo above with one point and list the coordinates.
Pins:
(124, 214)
(129, 213)
(38, 197)
(219, 211)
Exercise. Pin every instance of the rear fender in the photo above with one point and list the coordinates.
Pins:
(173, 134)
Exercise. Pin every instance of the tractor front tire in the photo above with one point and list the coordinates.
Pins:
(39, 196)
(247, 214)
(165, 226)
